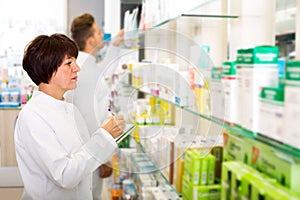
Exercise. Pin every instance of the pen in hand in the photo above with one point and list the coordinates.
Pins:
(114, 124)
(111, 112)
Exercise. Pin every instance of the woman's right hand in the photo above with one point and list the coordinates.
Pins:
(114, 125)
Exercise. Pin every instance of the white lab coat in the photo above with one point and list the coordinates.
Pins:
(91, 95)
(56, 154)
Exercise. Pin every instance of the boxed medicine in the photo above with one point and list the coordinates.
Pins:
(292, 104)
(230, 87)
(259, 68)
(271, 112)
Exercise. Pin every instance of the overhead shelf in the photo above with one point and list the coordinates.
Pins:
(199, 11)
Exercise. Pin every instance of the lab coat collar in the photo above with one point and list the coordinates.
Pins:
(49, 100)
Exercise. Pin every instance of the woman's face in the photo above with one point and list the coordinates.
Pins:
(65, 77)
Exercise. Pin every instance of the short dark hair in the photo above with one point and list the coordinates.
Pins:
(82, 29)
(44, 54)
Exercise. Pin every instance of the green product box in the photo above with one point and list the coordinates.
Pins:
(282, 193)
(186, 188)
(272, 95)
(293, 72)
(228, 169)
(229, 68)
(251, 179)
(207, 192)
(211, 169)
(280, 166)
(259, 55)
(240, 56)
(259, 189)
(275, 194)
(216, 74)
(236, 180)
(236, 148)
(204, 170)
(246, 186)
(192, 166)
(204, 192)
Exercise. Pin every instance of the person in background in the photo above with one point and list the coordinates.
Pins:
(92, 95)
(55, 151)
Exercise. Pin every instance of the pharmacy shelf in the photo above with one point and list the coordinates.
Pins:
(236, 129)
(197, 11)
(141, 148)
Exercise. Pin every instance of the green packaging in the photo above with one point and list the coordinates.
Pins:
(228, 169)
(192, 167)
(236, 148)
(276, 165)
(203, 192)
(211, 169)
(259, 55)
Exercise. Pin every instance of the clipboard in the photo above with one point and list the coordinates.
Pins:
(125, 133)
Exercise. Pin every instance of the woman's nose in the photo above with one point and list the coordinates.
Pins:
(76, 68)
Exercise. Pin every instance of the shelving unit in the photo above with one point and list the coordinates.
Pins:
(237, 130)
(199, 39)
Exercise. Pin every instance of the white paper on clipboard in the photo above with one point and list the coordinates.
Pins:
(129, 128)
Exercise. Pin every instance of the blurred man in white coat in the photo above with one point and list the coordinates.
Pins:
(91, 103)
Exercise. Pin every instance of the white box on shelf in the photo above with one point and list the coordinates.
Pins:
(230, 86)
(271, 113)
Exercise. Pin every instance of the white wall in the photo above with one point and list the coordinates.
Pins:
(78, 7)
(112, 16)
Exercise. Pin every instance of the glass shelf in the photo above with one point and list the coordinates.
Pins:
(235, 129)
(200, 10)
(140, 147)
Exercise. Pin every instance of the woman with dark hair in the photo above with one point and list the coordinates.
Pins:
(56, 154)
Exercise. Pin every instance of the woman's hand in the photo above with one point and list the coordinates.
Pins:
(114, 125)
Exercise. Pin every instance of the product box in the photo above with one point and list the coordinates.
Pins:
(181, 145)
(207, 192)
(246, 185)
(217, 97)
(183, 93)
(282, 193)
(259, 69)
(236, 148)
(228, 169)
(259, 189)
(192, 167)
(271, 112)
(230, 87)
(163, 192)
(251, 180)
(196, 80)
(240, 92)
(276, 165)
(186, 188)
(236, 179)
(292, 104)
(211, 169)
(275, 193)
(204, 170)
(204, 192)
